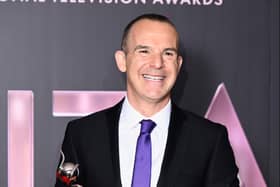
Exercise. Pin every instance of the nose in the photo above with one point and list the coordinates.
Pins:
(157, 61)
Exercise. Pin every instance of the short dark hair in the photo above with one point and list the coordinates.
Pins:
(153, 17)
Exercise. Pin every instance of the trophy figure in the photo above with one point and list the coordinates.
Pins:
(68, 172)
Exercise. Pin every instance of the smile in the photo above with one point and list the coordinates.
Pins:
(153, 78)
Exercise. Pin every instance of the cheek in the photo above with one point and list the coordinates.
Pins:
(137, 67)
(173, 68)
(133, 70)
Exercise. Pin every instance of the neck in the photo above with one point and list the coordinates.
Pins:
(148, 107)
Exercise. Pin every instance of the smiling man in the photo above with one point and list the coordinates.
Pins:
(151, 62)
(146, 140)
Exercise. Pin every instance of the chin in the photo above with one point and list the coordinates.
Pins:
(157, 98)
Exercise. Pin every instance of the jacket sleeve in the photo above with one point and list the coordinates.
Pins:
(222, 170)
(69, 151)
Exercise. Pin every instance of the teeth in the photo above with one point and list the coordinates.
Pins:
(154, 78)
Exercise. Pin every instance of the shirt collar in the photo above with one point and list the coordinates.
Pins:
(130, 118)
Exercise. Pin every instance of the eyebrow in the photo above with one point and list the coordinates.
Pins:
(148, 47)
(141, 47)
(171, 49)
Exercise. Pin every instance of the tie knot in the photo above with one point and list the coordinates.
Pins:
(147, 126)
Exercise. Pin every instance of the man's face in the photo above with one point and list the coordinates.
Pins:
(151, 61)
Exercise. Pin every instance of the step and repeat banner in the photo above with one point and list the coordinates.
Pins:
(57, 63)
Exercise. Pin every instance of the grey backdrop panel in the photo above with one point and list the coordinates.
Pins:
(66, 46)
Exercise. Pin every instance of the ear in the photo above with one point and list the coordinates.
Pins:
(120, 60)
(180, 62)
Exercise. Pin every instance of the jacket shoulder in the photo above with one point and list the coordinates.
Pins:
(94, 120)
(197, 122)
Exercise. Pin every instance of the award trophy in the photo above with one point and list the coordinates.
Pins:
(68, 172)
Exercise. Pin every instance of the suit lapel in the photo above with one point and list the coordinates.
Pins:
(172, 154)
(113, 124)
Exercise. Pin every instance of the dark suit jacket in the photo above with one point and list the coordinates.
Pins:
(198, 153)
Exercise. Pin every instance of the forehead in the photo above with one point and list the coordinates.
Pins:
(152, 30)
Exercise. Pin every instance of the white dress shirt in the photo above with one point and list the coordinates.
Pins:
(129, 130)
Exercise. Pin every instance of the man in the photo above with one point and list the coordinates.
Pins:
(178, 149)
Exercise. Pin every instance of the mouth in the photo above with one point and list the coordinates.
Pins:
(153, 77)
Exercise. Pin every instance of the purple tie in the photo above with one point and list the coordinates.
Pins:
(143, 156)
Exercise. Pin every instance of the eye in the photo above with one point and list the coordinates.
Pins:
(170, 53)
(143, 51)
